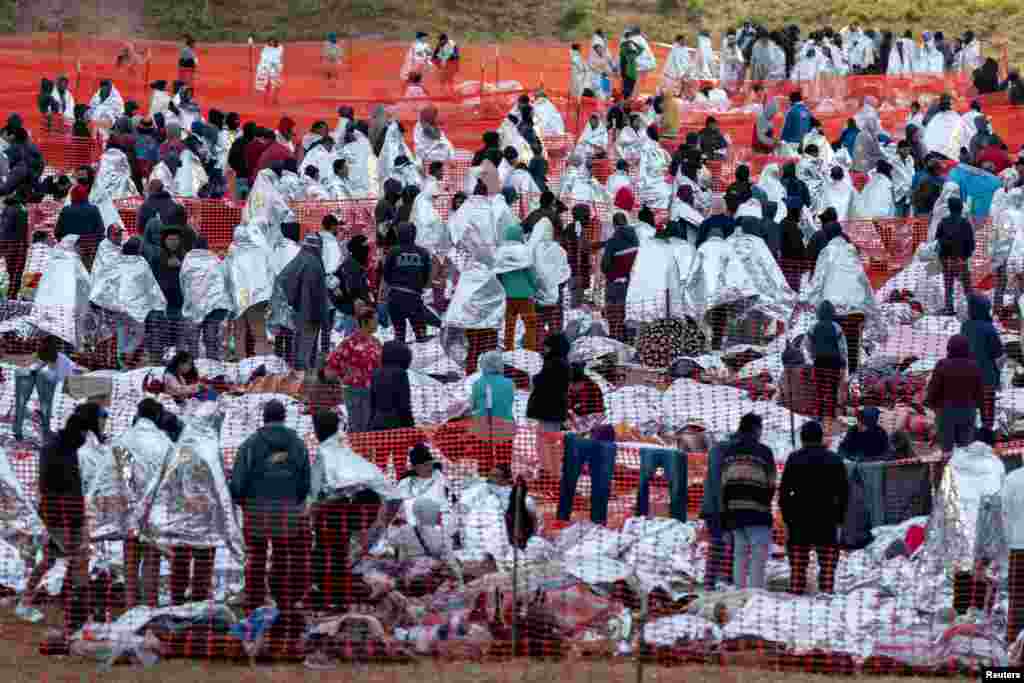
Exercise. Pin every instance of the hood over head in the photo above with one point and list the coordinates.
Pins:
(870, 416)
(958, 347)
(396, 354)
(557, 346)
(826, 311)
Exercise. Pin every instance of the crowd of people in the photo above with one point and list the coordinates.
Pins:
(519, 244)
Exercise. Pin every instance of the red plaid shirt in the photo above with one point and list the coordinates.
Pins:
(355, 359)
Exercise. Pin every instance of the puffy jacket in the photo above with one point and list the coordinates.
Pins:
(812, 496)
(79, 218)
(390, 393)
(518, 284)
(271, 469)
(955, 233)
(982, 337)
(956, 381)
(407, 266)
(620, 253)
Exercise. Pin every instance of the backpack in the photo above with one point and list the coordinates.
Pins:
(925, 196)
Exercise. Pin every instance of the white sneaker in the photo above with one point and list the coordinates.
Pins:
(29, 614)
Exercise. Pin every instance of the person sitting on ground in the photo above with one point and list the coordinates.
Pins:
(181, 380)
(866, 441)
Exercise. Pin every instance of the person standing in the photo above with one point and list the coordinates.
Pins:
(520, 290)
(353, 292)
(711, 513)
(748, 487)
(629, 52)
(955, 392)
(270, 482)
(987, 351)
(827, 348)
(187, 61)
(352, 365)
(407, 273)
(812, 496)
(1013, 526)
(797, 122)
(390, 392)
(305, 287)
(955, 236)
(163, 328)
(617, 265)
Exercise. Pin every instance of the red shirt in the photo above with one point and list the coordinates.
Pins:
(355, 359)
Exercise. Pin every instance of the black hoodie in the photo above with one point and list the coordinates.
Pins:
(407, 267)
(549, 400)
(390, 393)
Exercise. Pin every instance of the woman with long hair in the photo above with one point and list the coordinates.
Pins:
(181, 380)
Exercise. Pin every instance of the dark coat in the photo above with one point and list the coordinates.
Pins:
(983, 339)
(390, 393)
(271, 469)
(159, 204)
(957, 381)
(867, 443)
(61, 502)
(407, 266)
(79, 218)
(813, 496)
(955, 234)
(305, 286)
(549, 400)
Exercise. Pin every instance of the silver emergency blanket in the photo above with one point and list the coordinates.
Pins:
(394, 147)
(250, 272)
(431, 232)
(656, 284)
(191, 504)
(481, 517)
(478, 227)
(877, 199)
(478, 302)
(839, 277)
(106, 110)
(1007, 226)
(923, 277)
(19, 519)
(265, 204)
(125, 284)
(428, 149)
(652, 187)
(320, 159)
(734, 270)
(362, 165)
(190, 177)
(945, 134)
(62, 297)
(340, 471)
(432, 402)
(114, 176)
(141, 453)
(291, 187)
(107, 498)
(973, 474)
(204, 285)
(550, 263)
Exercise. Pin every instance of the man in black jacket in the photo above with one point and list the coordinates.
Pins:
(813, 501)
(549, 400)
(390, 393)
(81, 218)
(270, 481)
(955, 235)
(237, 161)
(406, 274)
(305, 287)
(163, 328)
(14, 237)
(353, 283)
(158, 203)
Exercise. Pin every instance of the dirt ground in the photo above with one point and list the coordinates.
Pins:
(20, 661)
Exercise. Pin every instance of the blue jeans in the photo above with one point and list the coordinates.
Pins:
(956, 427)
(25, 381)
(675, 465)
(715, 568)
(345, 323)
(404, 306)
(600, 457)
(750, 548)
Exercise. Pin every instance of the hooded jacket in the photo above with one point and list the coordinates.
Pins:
(502, 389)
(390, 392)
(305, 286)
(620, 253)
(407, 267)
(868, 443)
(827, 342)
(955, 233)
(157, 205)
(522, 283)
(957, 382)
(982, 338)
(549, 400)
(80, 218)
(271, 470)
(812, 496)
(168, 273)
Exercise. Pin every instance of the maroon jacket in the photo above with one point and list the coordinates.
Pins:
(253, 151)
(956, 381)
(275, 152)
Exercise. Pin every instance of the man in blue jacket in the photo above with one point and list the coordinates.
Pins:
(798, 120)
(987, 350)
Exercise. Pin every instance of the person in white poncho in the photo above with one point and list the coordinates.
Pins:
(839, 193)
(429, 140)
(630, 140)
(106, 106)
(270, 70)
(601, 68)
(579, 73)
(619, 179)
(652, 187)
(593, 141)
(417, 58)
(360, 161)
(547, 119)
(677, 68)
(878, 198)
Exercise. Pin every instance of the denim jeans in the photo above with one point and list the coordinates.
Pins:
(675, 465)
(600, 457)
(24, 382)
(357, 405)
(750, 548)
(402, 307)
(716, 569)
(956, 427)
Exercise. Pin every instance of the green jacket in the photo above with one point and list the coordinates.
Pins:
(519, 284)
(628, 53)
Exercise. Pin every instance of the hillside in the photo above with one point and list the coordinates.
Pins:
(565, 19)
